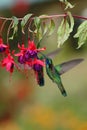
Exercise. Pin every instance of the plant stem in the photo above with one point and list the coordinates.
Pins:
(9, 19)
(48, 16)
(80, 17)
(2, 26)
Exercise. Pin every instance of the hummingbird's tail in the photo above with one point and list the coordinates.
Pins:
(63, 91)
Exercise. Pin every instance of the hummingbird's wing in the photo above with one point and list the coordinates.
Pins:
(64, 67)
(53, 53)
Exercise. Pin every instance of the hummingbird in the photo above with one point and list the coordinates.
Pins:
(54, 75)
(55, 72)
(39, 73)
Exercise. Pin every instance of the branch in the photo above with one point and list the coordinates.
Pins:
(48, 16)
(9, 19)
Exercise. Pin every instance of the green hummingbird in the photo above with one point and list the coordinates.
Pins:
(54, 72)
(54, 75)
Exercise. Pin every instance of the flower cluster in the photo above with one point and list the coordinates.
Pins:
(8, 60)
(27, 56)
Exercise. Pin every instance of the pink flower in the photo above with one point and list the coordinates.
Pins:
(8, 62)
(32, 50)
(26, 54)
(37, 64)
(21, 58)
(3, 47)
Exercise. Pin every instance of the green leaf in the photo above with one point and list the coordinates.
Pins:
(24, 21)
(38, 30)
(64, 30)
(14, 26)
(11, 38)
(37, 22)
(67, 4)
(45, 28)
(51, 27)
(44, 24)
(38, 44)
(15, 21)
(81, 34)
(39, 33)
(71, 21)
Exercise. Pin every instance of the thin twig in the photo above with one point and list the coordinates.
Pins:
(62, 15)
(3, 24)
(9, 19)
(48, 16)
(79, 17)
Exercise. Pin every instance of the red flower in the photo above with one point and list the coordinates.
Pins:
(37, 63)
(3, 47)
(31, 45)
(8, 62)
(21, 47)
(26, 54)
(21, 58)
(32, 48)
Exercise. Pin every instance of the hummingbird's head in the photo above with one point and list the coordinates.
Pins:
(48, 61)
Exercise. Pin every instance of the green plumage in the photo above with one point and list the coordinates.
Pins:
(54, 75)
(54, 72)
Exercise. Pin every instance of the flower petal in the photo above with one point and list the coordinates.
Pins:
(31, 45)
(37, 61)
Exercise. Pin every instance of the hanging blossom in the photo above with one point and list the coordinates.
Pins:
(9, 63)
(3, 47)
(38, 64)
(21, 57)
(27, 55)
(32, 50)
